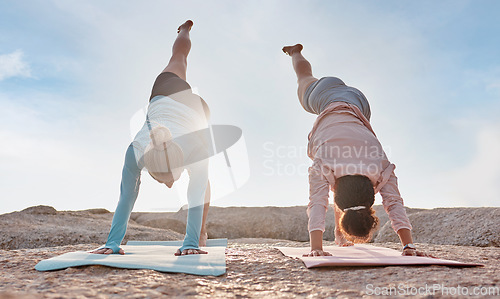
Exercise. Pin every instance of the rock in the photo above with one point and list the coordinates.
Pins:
(42, 210)
(141, 217)
(97, 211)
(288, 223)
(453, 226)
(384, 218)
(239, 222)
(43, 226)
(166, 223)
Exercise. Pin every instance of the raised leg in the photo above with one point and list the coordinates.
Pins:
(180, 51)
(302, 68)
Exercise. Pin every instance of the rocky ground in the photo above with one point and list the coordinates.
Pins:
(254, 269)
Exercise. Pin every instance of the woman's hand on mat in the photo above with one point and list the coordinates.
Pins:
(344, 243)
(340, 240)
(106, 251)
(414, 252)
(317, 252)
(190, 251)
(203, 239)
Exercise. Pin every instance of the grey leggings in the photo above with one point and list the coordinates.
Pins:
(327, 90)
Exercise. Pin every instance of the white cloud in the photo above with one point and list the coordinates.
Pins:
(13, 65)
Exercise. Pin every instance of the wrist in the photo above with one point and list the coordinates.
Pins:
(409, 246)
(405, 236)
(316, 240)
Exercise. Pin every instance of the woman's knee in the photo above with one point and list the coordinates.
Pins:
(177, 67)
(304, 83)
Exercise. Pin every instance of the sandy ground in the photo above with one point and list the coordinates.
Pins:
(254, 270)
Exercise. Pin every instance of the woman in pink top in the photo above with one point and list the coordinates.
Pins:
(347, 158)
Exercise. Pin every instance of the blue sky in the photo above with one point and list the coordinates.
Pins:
(73, 73)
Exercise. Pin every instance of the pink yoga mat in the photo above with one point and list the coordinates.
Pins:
(364, 255)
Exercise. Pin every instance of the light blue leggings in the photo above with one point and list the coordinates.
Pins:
(129, 189)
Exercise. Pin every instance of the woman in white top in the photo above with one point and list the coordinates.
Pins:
(169, 142)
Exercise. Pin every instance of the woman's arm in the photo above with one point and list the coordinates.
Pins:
(319, 188)
(129, 189)
(316, 237)
(393, 205)
(406, 238)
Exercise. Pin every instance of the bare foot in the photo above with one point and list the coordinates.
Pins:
(190, 251)
(106, 251)
(187, 26)
(289, 50)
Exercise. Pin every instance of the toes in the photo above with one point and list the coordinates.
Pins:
(190, 251)
(289, 50)
(188, 24)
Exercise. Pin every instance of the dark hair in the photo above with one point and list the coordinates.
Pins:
(352, 191)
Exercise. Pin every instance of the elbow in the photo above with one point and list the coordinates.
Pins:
(393, 203)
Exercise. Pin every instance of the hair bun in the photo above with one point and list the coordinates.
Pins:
(359, 225)
(160, 135)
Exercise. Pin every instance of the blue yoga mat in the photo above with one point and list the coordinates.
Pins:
(210, 243)
(154, 255)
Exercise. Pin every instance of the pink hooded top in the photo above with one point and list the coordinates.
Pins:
(342, 142)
